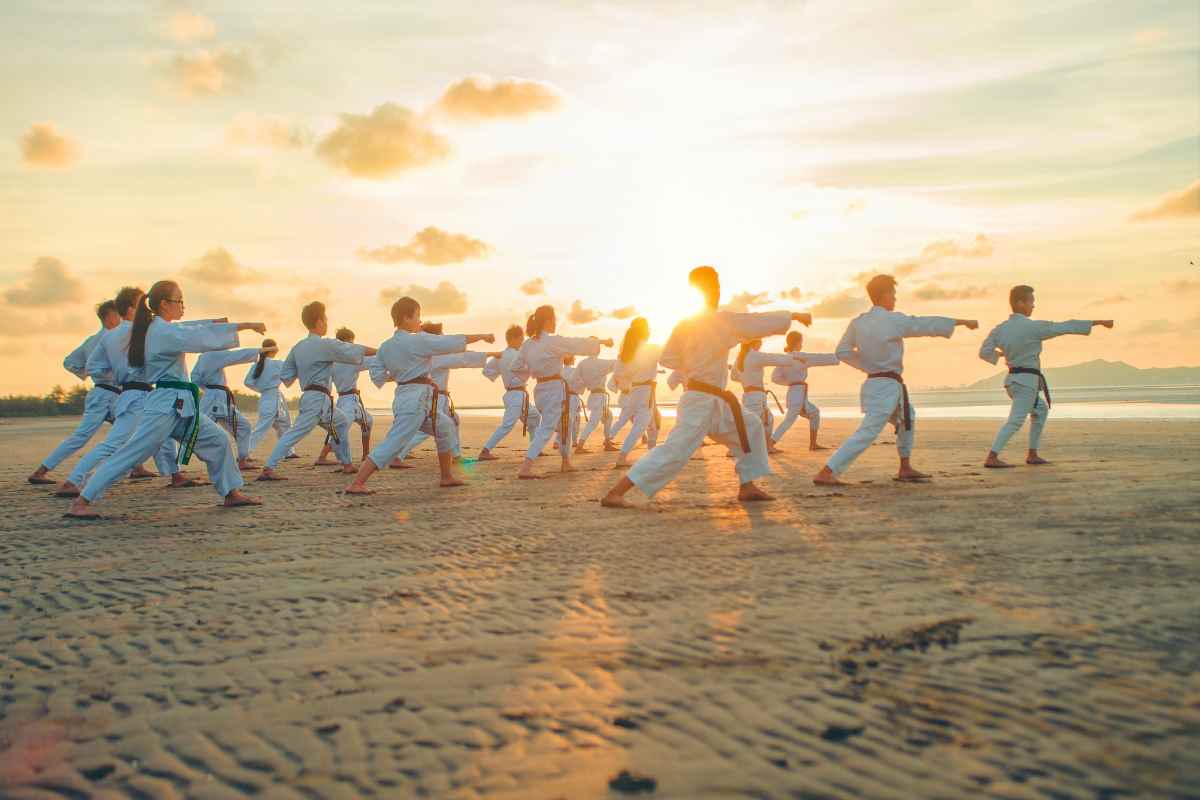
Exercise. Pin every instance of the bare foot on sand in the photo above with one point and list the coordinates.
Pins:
(269, 474)
(487, 455)
(749, 493)
(236, 499)
(38, 478)
(816, 447)
(354, 489)
(140, 473)
(611, 447)
(67, 489)
(1036, 461)
(81, 509)
(910, 475)
(993, 462)
(614, 500)
(452, 481)
(324, 462)
(826, 478)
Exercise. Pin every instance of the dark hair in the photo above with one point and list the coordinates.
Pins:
(344, 335)
(708, 282)
(1018, 293)
(127, 298)
(569, 359)
(147, 307)
(878, 285)
(513, 332)
(106, 308)
(743, 350)
(432, 327)
(794, 340)
(262, 358)
(312, 313)
(537, 322)
(404, 308)
(638, 332)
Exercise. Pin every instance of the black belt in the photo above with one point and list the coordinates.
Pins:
(230, 405)
(1042, 385)
(731, 401)
(433, 405)
(109, 387)
(565, 421)
(904, 404)
(331, 436)
(524, 407)
(137, 386)
(348, 391)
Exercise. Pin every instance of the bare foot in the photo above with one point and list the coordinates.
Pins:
(911, 475)
(290, 456)
(993, 462)
(324, 462)
(614, 500)
(1036, 461)
(826, 478)
(81, 509)
(772, 450)
(236, 499)
(356, 489)
(453, 481)
(567, 468)
(487, 455)
(611, 447)
(398, 464)
(580, 450)
(348, 469)
(245, 466)
(141, 473)
(67, 489)
(621, 465)
(749, 493)
(815, 447)
(38, 478)
(269, 474)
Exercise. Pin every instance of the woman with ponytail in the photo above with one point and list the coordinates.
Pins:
(264, 378)
(542, 354)
(637, 374)
(157, 347)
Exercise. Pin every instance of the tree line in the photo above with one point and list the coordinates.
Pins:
(69, 402)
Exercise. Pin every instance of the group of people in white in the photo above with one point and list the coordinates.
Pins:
(157, 409)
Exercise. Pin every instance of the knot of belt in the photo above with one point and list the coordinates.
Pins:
(1042, 385)
(731, 401)
(564, 421)
(905, 406)
(230, 405)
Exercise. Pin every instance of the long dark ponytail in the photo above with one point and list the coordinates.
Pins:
(262, 358)
(638, 332)
(537, 322)
(147, 307)
(743, 350)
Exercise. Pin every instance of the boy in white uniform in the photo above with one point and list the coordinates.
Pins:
(795, 377)
(517, 407)
(349, 399)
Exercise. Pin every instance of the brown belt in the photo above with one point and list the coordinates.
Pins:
(731, 401)
(565, 421)
(906, 408)
(653, 401)
(524, 407)
(331, 436)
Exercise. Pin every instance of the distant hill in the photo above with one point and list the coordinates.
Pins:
(1105, 373)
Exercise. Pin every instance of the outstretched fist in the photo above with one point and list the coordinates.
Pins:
(971, 324)
(1108, 323)
(490, 338)
(804, 318)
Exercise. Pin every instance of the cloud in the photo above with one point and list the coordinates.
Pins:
(21, 328)
(430, 246)
(188, 26)
(43, 146)
(1155, 327)
(845, 303)
(1184, 203)
(980, 247)
(205, 73)
(275, 133)
(534, 287)
(219, 267)
(796, 294)
(1182, 286)
(932, 291)
(744, 300)
(49, 284)
(581, 315)
(1116, 298)
(445, 299)
(624, 313)
(479, 97)
(383, 143)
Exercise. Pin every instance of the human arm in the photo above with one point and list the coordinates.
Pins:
(847, 348)
(1078, 327)
(989, 351)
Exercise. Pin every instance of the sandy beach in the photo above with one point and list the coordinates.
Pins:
(1009, 634)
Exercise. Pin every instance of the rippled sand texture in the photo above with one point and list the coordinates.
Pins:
(1023, 633)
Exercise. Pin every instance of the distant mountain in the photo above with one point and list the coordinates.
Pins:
(1105, 373)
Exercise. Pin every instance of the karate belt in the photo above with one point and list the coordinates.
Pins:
(189, 438)
(766, 411)
(109, 387)
(656, 418)
(906, 407)
(433, 403)
(357, 397)
(731, 401)
(564, 422)
(230, 405)
(524, 406)
(137, 386)
(606, 415)
(582, 405)
(1043, 387)
(331, 436)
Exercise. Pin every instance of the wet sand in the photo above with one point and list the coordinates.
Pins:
(1018, 633)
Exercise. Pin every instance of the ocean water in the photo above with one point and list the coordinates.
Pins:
(1085, 403)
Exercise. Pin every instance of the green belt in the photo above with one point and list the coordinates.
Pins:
(189, 439)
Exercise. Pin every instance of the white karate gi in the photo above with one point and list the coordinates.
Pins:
(591, 373)
(542, 356)
(171, 413)
(209, 370)
(874, 342)
(795, 377)
(98, 406)
(515, 396)
(272, 407)
(751, 376)
(576, 386)
(639, 407)
(1019, 339)
(699, 349)
(110, 357)
(349, 401)
(440, 373)
(407, 357)
(311, 360)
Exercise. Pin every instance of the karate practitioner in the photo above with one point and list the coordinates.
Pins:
(110, 360)
(100, 401)
(157, 347)
(311, 360)
(575, 389)
(542, 355)
(273, 413)
(217, 400)
(874, 343)
(699, 349)
(407, 358)
(591, 374)
(517, 407)
(795, 377)
(349, 401)
(748, 370)
(1019, 339)
(636, 372)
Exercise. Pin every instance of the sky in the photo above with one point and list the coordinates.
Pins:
(490, 157)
